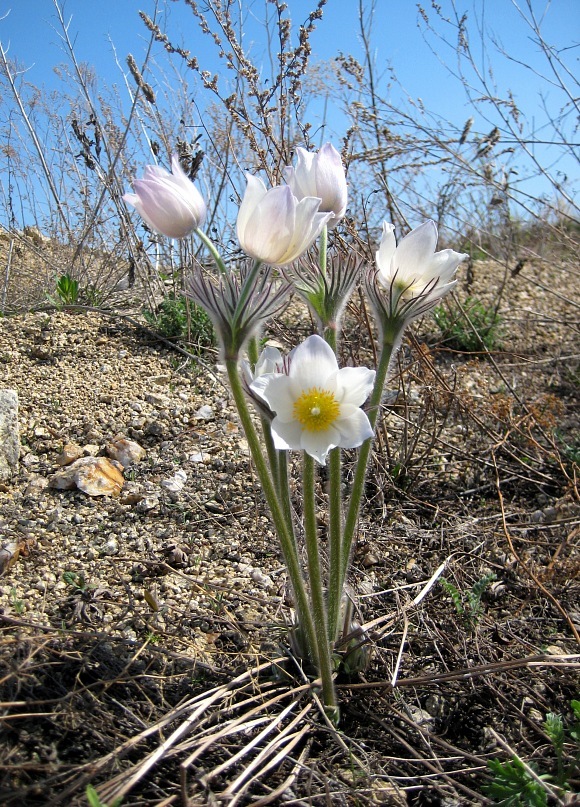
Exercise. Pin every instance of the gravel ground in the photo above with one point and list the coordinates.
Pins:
(83, 380)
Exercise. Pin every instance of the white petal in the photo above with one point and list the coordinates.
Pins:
(286, 435)
(318, 444)
(164, 209)
(269, 359)
(354, 430)
(386, 250)
(307, 226)
(276, 391)
(254, 193)
(271, 226)
(311, 365)
(330, 181)
(416, 250)
(354, 385)
(444, 264)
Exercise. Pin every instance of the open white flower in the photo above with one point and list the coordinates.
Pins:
(169, 203)
(415, 275)
(317, 405)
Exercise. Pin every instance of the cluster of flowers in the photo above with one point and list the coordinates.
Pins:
(316, 405)
(306, 402)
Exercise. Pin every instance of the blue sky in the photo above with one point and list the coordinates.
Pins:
(29, 29)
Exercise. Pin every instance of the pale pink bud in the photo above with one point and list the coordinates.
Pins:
(169, 203)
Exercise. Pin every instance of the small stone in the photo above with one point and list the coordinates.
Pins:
(146, 503)
(160, 380)
(157, 400)
(111, 547)
(370, 559)
(36, 485)
(9, 554)
(214, 507)
(155, 429)
(554, 650)
(204, 412)
(9, 435)
(96, 476)
(200, 456)
(125, 451)
(69, 454)
(176, 482)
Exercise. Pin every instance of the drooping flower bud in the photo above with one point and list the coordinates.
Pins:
(169, 203)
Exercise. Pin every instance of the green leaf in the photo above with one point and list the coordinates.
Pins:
(512, 785)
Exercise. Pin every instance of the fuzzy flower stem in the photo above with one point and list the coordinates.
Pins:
(286, 539)
(284, 487)
(374, 402)
(214, 253)
(315, 575)
(335, 539)
(266, 429)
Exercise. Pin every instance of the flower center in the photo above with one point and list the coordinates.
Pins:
(316, 409)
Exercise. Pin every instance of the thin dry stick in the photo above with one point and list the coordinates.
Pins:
(288, 782)
(524, 566)
(541, 660)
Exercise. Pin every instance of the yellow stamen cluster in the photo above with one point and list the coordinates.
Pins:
(316, 409)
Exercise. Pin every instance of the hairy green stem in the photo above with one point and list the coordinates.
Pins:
(214, 253)
(358, 484)
(253, 356)
(287, 543)
(316, 588)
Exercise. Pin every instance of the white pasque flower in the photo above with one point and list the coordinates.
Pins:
(316, 404)
(321, 174)
(274, 226)
(169, 203)
(416, 276)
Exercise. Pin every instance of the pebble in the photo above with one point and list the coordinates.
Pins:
(111, 547)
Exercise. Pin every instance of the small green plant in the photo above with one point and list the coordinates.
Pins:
(67, 291)
(570, 447)
(17, 604)
(479, 329)
(468, 604)
(94, 799)
(76, 580)
(171, 321)
(516, 784)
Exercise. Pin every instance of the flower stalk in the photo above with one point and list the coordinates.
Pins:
(316, 588)
(305, 402)
(287, 544)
